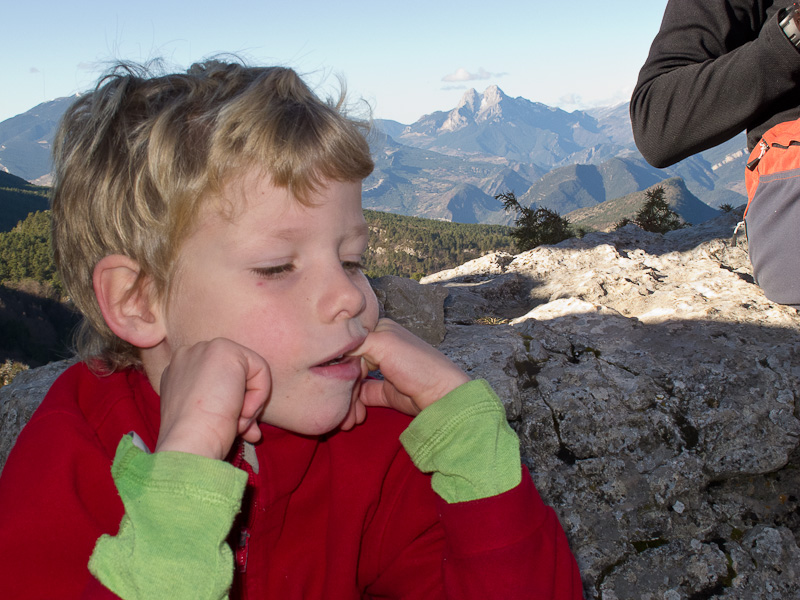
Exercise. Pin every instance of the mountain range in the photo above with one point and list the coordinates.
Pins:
(547, 156)
(25, 141)
(449, 165)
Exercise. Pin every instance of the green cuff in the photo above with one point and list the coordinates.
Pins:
(466, 442)
(179, 509)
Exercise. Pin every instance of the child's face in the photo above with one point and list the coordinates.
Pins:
(282, 279)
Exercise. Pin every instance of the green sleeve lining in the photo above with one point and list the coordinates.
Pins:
(466, 442)
(179, 509)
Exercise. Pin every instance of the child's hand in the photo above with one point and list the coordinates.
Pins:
(415, 374)
(211, 393)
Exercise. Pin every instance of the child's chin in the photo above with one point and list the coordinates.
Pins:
(322, 423)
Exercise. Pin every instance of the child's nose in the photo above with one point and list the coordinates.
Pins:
(342, 298)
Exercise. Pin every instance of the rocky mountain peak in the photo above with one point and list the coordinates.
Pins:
(490, 103)
(475, 108)
(463, 114)
(470, 101)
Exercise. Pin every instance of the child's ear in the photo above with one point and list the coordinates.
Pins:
(132, 312)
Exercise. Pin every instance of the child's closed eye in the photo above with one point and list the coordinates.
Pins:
(275, 272)
(279, 271)
(352, 265)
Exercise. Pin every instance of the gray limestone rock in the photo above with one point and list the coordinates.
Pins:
(21, 398)
(420, 309)
(656, 393)
(657, 399)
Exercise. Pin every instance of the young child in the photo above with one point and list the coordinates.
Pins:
(221, 437)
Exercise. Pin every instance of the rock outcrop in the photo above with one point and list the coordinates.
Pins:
(656, 392)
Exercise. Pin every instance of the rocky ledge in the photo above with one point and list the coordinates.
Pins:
(656, 392)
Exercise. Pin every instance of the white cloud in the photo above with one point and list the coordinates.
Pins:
(463, 75)
(570, 100)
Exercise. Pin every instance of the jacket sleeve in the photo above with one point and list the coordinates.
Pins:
(503, 542)
(59, 505)
(171, 542)
(715, 68)
(465, 442)
(56, 498)
(507, 546)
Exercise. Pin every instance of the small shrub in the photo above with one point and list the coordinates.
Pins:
(491, 320)
(9, 370)
(535, 226)
(655, 216)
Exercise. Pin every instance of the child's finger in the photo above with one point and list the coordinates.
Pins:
(383, 393)
(357, 412)
(258, 383)
(372, 393)
(418, 373)
(257, 387)
(355, 415)
(249, 430)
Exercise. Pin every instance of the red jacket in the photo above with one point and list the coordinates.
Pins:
(345, 516)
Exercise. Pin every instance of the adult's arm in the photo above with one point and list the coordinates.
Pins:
(716, 67)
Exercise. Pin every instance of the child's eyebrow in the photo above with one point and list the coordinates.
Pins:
(292, 233)
(360, 230)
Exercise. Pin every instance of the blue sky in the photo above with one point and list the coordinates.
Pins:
(405, 59)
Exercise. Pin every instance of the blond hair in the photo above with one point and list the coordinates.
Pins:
(136, 158)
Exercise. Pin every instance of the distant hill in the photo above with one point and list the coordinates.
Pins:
(18, 198)
(495, 126)
(605, 216)
(466, 203)
(413, 247)
(25, 140)
(510, 180)
(389, 127)
(727, 165)
(579, 186)
(615, 122)
(413, 181)
(566, 188)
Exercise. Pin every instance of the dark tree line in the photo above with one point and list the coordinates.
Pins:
(413, 247)
(26, 253)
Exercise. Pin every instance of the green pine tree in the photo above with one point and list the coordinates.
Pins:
(656, 215)
(535, 226)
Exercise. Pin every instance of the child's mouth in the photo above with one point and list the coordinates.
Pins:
(332, 362)
(342, 367)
